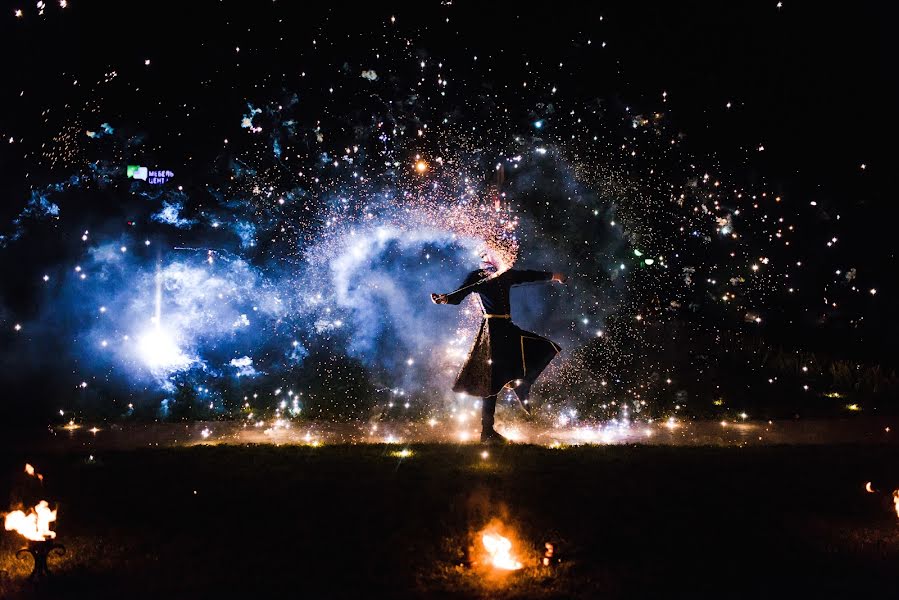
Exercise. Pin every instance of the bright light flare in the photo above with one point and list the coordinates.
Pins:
(500, 550)
(34, 525)
(159, 351)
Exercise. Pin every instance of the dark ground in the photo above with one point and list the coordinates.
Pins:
(354, 521)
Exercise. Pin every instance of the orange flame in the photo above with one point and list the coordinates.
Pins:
(30, 471)
(548, 555)
(500, 551)
(896, 501)
(32, 526)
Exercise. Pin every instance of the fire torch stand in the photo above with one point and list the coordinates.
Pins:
(40, 551)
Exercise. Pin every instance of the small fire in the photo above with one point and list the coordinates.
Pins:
(500, 550)
(33, 526)
(896, 501)
(30, 471)
(548, 555)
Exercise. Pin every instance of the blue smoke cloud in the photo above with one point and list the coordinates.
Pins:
(244, 366)
(170, 215)
(38, 208)
(160, 318)
(255, 283)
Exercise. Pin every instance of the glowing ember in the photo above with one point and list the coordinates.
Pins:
(500, 549)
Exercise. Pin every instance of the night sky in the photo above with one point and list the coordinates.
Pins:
(722, 170)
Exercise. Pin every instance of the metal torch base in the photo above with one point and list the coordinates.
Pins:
(40, 552)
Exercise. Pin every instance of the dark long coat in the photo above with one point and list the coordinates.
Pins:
(502, 354)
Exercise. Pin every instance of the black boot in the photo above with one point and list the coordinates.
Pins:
(488, 433)
(490, 437)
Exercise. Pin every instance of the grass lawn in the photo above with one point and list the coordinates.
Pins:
(358, 522)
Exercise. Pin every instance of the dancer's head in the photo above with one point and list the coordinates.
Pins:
(489, 259)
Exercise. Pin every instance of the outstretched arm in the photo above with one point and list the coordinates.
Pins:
(532, 276)
(456, 297)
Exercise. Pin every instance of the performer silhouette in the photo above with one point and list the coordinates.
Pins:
(503, 355)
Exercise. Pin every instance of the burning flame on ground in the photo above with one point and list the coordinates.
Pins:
(34, 525)
(548, 555)
(500, 550)
(870, 489)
